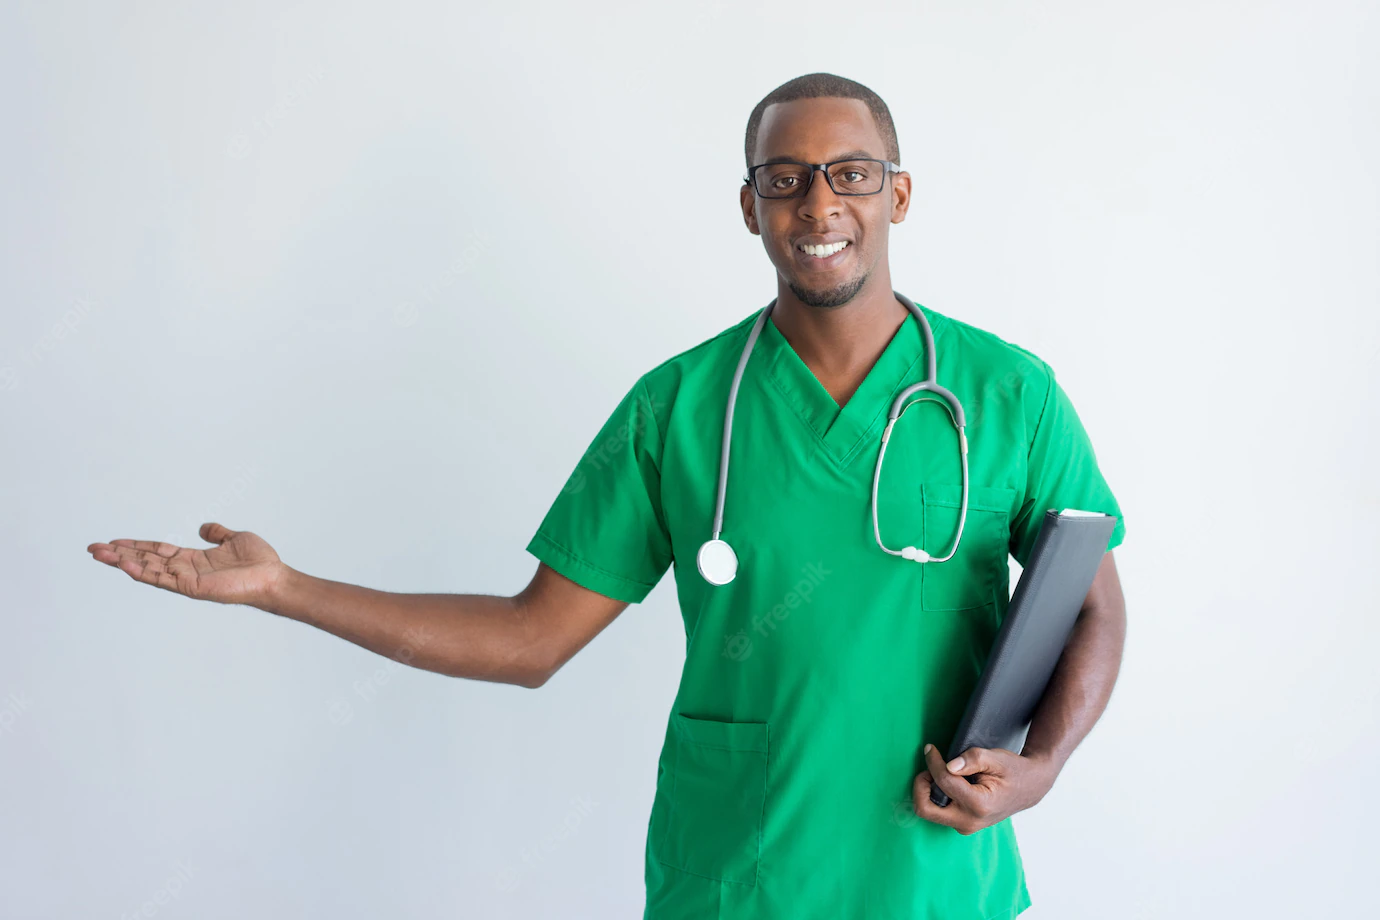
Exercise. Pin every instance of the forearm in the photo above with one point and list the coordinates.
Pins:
(476, 636)
(1081, 685)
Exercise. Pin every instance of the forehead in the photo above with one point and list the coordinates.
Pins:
(817, 130)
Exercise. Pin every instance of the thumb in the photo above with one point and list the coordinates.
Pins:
(215, 533)
(973, 760)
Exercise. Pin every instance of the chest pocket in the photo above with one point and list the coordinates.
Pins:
(971, 578)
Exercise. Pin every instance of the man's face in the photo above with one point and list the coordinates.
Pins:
(820, 131)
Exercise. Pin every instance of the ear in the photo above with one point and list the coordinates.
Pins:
(748, 201)
(900, 196)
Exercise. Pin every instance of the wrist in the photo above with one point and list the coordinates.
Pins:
(1049, 761)
(282, 583)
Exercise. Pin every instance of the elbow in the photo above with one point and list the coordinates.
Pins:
(524, 676)
(533, 672)
(537, 670)
(534, 656)
(520, 670)
(531, 678)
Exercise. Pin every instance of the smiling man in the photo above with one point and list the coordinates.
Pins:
(795, 772)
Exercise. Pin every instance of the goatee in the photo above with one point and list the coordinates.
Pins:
(835, 296)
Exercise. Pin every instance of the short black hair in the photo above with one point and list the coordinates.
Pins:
(818, 85)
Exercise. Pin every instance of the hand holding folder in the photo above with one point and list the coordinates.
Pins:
(1044, 607)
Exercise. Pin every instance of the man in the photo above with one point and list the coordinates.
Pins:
(821, 681)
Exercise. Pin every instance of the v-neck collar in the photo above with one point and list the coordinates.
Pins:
(843, 431)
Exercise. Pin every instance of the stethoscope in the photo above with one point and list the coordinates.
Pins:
(717, 561)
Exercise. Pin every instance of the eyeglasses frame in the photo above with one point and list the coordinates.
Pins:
(750, 179)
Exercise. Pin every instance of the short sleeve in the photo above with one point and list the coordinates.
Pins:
(606, 530)
(1061, 472)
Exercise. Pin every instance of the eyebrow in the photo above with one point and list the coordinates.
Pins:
(846, 155)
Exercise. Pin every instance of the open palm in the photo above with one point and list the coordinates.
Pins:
(241, 569)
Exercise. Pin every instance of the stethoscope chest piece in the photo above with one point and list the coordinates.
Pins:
(717, 562)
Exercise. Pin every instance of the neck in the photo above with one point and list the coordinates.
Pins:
(840, 344)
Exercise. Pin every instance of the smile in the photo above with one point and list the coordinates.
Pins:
(823, 252)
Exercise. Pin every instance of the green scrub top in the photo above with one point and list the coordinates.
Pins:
(813, 680)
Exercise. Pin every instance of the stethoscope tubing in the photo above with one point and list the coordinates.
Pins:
(717, 554)
(728, 415)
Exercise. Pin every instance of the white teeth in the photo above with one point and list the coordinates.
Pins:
(824, 251)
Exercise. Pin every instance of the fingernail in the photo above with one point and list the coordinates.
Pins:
(927, 748)
(956, 764)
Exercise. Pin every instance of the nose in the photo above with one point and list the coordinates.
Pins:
(819, 200)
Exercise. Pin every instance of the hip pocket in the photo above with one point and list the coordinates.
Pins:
(718, 788)
(979, 568)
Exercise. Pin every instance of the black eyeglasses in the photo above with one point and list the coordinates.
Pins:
(845, 177)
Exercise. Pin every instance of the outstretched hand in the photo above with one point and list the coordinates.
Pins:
(1004, 783)
(240, 569)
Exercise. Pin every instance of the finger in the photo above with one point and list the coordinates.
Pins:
(139, 568)
(924, 808)
(975, 760)
(110, 555)
(212, 532)
(162, 578)
(956, 786)
(156, 547)
(103, 552)
(117, 554)
(152, 573)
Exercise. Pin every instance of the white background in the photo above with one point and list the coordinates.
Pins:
(366, 279)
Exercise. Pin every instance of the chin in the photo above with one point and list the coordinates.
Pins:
(835, 296)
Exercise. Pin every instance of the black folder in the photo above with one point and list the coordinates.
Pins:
(1047, 600)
